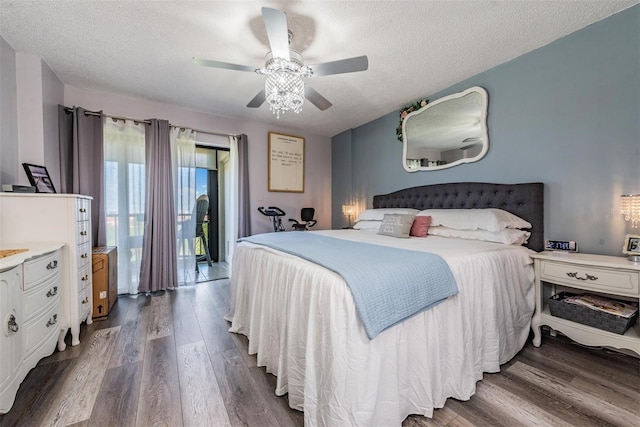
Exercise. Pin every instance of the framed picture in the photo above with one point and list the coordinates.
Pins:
(39, 178)
(286, 163)
(631, 245)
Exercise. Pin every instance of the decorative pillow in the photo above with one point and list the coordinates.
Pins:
(508, 236)
(378, 214)
(367, 225)
(490, 219)
(420, 226)
(396, 225)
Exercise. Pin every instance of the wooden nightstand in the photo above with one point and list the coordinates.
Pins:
(609, 276)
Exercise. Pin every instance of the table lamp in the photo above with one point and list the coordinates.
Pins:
(348, 210)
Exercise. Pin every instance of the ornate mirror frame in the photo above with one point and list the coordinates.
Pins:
(465, 123)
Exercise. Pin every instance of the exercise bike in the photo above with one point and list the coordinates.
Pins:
(275, 214)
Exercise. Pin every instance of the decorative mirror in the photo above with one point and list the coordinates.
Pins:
(446, 132)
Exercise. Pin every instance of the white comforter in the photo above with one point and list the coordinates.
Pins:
(302, 324)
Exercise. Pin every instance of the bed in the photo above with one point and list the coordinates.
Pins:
(302, 324)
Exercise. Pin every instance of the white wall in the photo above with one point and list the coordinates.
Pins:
(31, 93)
(9, 156)
(52, 95)
(317, 151)
(30, 118)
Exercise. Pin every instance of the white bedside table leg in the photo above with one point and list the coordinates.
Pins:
(535, 326)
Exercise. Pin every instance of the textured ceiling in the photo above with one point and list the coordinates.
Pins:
(143, 49)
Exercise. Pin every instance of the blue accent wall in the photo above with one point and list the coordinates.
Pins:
(567, 114)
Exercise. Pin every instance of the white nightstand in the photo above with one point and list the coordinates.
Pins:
(614, 277)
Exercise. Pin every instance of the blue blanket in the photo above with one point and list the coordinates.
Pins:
(388, 284)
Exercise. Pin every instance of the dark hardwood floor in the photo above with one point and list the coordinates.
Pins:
(168, 359)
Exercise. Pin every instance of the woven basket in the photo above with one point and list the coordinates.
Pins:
(587, 316)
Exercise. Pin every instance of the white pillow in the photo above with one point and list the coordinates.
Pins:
(367, 225)
(508, 236)
(378, 214)
(489, 219)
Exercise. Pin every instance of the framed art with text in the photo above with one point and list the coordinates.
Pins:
(286, 163)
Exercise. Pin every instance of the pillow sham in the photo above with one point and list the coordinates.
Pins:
(396, 225)
(490, 219)
(420, 226)
(367, 225)
(507, 236)
(378, 214)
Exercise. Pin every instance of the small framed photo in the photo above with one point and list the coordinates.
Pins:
(39, 178)
(631, 245)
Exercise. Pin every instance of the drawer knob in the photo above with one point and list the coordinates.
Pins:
(587, 276)
(86, 300)
(83, 233)
(52, 292)
(84, 255)
(83, 210)
(52, 321)
(53, 264)
(12, 325)
(85, 278)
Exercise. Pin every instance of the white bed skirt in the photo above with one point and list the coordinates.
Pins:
(301, 322)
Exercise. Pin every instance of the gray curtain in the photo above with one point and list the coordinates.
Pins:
(82, 162)
(244, 209)
(159, 266)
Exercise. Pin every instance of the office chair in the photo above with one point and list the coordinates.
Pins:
(306, 215)
(202, 208)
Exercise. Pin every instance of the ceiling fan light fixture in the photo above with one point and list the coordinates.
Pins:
(284, 87)
(284, 69)
(284, 92)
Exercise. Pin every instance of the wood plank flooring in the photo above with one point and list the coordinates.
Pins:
(168, 359)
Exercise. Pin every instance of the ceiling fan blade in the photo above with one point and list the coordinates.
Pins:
(316, 99)
(349, 65)
(275, 22)
(257, 100)
(224, 65)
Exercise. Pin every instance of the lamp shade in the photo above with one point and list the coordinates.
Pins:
(629, 207)
(348, 210)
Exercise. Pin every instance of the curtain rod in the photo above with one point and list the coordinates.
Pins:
(97, 113)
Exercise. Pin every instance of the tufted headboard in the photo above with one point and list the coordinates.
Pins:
(523, 200)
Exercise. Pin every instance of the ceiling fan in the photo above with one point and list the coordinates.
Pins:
(284, 88)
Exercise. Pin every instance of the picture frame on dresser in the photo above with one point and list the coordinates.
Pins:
(39, 178)
(631, 245)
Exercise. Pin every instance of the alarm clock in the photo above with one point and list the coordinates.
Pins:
(561, 245)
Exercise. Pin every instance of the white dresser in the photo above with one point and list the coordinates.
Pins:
(64, 218)
(30, 311)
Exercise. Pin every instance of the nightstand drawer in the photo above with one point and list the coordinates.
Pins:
(624, 282)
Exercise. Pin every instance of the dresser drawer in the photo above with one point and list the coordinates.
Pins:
(624, 282)
(41, 268)
(83, 209)
(83, 233)
(39, 329)
(84, 255)
(84, 304)
(42, 296)
(84, 277)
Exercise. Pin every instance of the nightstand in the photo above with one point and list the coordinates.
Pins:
(609, 276)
